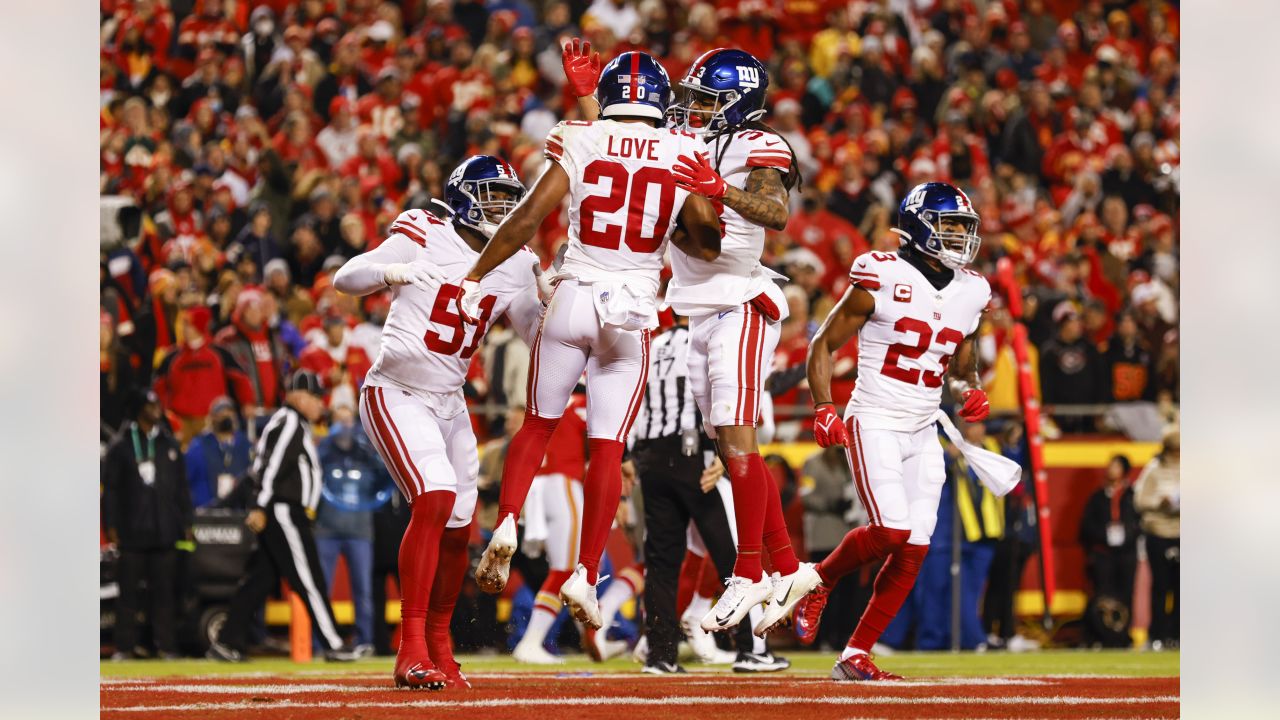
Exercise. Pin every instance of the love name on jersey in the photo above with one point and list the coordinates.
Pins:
(626, 147)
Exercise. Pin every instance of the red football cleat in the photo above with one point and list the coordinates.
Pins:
(859, 668)
(438, 646)
(454, 679)
(418, 674)
(808, 613)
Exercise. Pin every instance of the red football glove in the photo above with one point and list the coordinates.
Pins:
(696, 175)
(976, 406)
(469, 302)
(828, 428)
(581, 67)
(765, 305)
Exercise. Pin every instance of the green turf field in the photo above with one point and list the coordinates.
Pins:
(911, 664)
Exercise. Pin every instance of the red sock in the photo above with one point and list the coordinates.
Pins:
(891, 588)
(600, 493)
(859, 547)
(451, 570)
(419, 555)
(690, 576)
(777, 541)
(524, 457)
(749, 488)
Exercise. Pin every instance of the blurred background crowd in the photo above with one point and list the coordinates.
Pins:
(249, 148)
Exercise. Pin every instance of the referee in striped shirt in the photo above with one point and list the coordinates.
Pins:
(286, 475)
(670, 454)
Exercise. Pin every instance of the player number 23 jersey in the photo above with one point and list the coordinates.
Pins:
(906, 345)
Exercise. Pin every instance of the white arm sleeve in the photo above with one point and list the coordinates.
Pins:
(363, 274)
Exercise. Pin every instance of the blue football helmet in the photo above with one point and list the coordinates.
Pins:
(732, 82)
(634, 84)
(471, 193)
(920, 218)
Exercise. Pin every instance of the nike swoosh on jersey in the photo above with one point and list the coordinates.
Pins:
(769, 144)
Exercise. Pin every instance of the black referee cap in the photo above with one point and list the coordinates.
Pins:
(306, 381)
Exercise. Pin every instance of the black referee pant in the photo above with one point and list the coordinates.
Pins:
(286, 549)
(672, 497)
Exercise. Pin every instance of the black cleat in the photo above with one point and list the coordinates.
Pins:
(346, 653)
(662, 668)
(760, 662)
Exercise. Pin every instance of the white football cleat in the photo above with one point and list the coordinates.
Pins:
(739, 596)
(787, 591)
(534, 654)
(703, 643)
(495, 564)
(579, 597)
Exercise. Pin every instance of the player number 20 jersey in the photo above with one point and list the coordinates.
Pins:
(906, 345)
(623, 200)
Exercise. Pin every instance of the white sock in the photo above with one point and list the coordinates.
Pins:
(850, 652)
(698, 606)
(758, 644)
(618, 593)
(539, 623)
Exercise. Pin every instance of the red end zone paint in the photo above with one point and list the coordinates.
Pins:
(697, 695)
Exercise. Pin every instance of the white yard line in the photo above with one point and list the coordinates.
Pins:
(149, 684)
(656, 702)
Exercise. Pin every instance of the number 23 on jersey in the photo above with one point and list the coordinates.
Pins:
(945, 338)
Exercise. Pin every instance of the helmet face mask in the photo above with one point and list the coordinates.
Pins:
(702, 110)
(491, 202)
(956, 247)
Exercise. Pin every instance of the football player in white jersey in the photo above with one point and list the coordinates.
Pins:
(411, 403)
(624, 205)
(736, 309)
(735, 305)
(915, 313)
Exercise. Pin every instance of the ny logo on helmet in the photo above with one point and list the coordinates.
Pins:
(916, 199)
(749, 76)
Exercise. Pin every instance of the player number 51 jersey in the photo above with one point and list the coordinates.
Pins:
(906, 345)
(425, 345)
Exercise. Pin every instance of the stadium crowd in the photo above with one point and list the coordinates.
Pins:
(249, 148)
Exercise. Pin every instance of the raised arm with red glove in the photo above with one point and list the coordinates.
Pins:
(581, 67)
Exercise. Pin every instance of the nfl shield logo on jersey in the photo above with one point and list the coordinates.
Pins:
(604, 296)
(902, 293)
